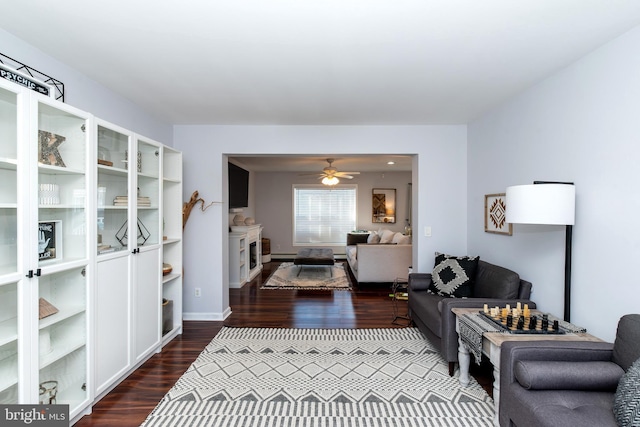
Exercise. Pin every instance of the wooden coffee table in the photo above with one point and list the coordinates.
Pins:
(491, 343)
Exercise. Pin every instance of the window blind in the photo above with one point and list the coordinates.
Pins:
(323, 215)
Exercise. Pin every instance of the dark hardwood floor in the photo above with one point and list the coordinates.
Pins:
(367, 306)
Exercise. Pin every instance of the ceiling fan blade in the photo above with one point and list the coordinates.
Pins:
(347, 173)
(311, 174)
(345, 176)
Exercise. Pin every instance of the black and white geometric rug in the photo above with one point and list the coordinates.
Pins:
(290, 276)
(280, 377)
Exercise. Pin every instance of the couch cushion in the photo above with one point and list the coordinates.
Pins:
(560, 375)
(554, 408)
(493, 281)
(626, 403)
(453, 276)
(626, 348)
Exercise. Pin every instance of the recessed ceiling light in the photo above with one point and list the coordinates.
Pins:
(391, 163)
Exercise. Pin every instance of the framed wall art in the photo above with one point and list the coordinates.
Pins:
(494, 214)
(383, 203)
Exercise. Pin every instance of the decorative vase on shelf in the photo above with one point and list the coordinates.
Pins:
(249, 221)
(238, 219)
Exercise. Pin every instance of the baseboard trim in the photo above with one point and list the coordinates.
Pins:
(207, 317)
(289, 257)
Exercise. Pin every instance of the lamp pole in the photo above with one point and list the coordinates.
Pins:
(567, 259)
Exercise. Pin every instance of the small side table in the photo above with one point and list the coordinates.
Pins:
(398, 295)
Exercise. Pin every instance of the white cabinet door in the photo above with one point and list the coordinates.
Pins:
(59, 140)
(112, 321)
(147, 302)
(12, 281)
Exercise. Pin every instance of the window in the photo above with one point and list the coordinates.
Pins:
(322, 215)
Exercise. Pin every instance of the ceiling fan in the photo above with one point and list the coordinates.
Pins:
(330, 175)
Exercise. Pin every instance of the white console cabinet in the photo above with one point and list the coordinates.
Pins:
(85, 227)
(245, 254)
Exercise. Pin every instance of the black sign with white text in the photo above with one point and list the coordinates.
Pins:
(23, 80)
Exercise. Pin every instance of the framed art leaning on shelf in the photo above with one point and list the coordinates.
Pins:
(49, 240)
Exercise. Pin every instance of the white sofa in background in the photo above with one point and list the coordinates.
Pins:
(381, 256)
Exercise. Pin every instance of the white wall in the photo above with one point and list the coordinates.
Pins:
(439, 180)
(87, 95)
(580, 125)
(274, 198)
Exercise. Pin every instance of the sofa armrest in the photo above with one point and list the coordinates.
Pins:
(525, 289)
(419, 281)
(449, 336)
(562, 375)
(513, 352)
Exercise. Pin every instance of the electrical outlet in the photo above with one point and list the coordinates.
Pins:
(197, 293)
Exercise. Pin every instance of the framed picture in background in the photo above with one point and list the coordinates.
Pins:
(494, 214)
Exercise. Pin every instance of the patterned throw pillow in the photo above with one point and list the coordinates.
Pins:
(626, 404)
(453, 276)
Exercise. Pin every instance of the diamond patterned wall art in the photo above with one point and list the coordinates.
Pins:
(494, 214)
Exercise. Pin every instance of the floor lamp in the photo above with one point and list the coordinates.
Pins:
(549, 203)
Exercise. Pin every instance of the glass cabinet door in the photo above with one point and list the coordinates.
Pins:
(11, 216)
(113, 188)
(62, 338)
(61, 138)
(62, 143)
(9, 343)
(9, 179)
(147, 164)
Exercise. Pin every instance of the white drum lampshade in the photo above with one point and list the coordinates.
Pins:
(552, 204)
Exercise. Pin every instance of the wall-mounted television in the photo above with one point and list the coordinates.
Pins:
(238, 187)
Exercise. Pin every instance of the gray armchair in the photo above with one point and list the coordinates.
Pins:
(493, 285)
(556, 383)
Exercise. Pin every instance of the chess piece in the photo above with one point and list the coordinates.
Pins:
(556, 326)
(521, 323)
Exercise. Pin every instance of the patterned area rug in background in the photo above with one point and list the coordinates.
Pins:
(311, 277)
(263, 377)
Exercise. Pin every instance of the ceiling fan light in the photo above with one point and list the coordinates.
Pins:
(330, 180)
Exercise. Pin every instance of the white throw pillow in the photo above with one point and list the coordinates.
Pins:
(374, 237)
(387, 236)
(401, 239)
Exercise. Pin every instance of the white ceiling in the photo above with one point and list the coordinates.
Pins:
(372, 163)
(317, 61)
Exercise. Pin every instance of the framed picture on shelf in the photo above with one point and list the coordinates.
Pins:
(494, 214)
(49, 240)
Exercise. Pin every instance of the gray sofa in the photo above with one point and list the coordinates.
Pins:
(493, 285)
(555, 383)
